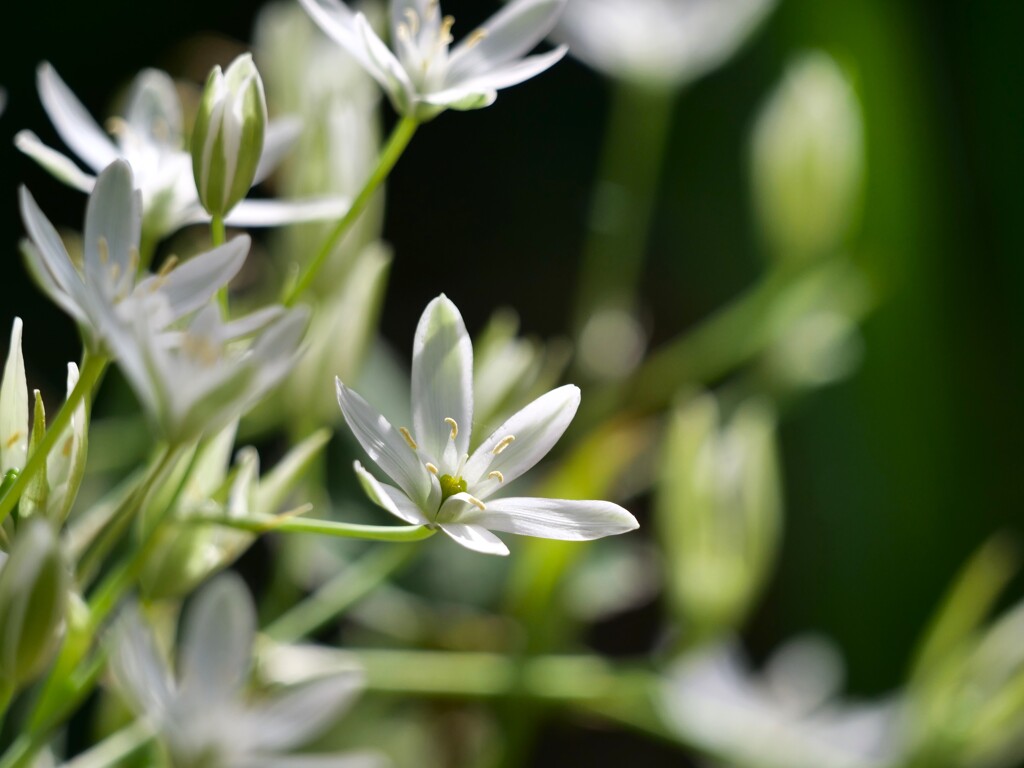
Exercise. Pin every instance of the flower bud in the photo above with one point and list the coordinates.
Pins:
(718, 506)
(14, 406)
(808, 160)
(227, 140)
(33, 602)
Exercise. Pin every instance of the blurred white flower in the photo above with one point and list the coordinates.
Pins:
(784, 718)
(196, 380)
(202, 714)
(659, 42)
(421, 76)
(150, 137)
(107, 282)
(440, 483)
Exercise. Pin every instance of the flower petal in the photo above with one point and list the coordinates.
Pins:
(389, 498)
(154, 110)
(51, 255)
(276, 213)
(137, 666)
(384, 444)
(346, 760)
(508, 34)
(300, 712)
(442, 379)
(113, 215)
(509, 74)
(14, 406)
(217, 643)
(60, 166)
(72, 120)
(552, 518)
(476, 538)
(385, 67)
(535, 429)
(194, 283)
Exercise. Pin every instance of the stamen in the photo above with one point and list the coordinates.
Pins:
(497, 476)
(117, 126)
(445, 33)
(13, 440)
(505, 443)
(169, 263)
(199, 348)
(475, 37)
(408, 438)
(104, 249)
(476, 502)
(454, 425)
(115, 271)
(432, 469)
(414, 21)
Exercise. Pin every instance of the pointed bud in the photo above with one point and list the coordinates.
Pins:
(14, 406)
(34, 497)
(227, 140)
(33, 602)
(65, 464)
(808, 161)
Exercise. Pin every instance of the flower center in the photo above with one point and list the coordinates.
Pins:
(451, 485)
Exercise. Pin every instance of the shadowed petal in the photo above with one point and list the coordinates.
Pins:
(475, 537)
(61, 166)
(509, 33)
(113, 214)
(302, 711)
(388, 498)
(552, 518)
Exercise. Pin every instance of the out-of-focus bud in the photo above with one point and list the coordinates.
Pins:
(718, 508)
(227, 140)
(14, 406)
(808, 160)
(33, 602)
(65, 464)
(34, 497)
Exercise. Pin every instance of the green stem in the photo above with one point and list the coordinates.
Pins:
(348, 587)
(218, 236)
(625, 191)
(92, 369)
(23, 748)
(396, 144)
(284, 524)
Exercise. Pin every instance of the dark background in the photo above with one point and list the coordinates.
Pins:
(894, 476)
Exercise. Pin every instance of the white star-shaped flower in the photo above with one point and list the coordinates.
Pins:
(150, 136)
(421, 76)
(440, 483)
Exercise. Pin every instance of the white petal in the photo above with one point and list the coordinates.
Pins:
(252, 323)
(114, 215)
(384, 67)
(280, 136)
(51, 254)
(384, 444)
(389, 498)
(60, 166)
(276, 213)
(552, 518)
(460, 98)
(217, 643)
(511, 74)
(476, 538)
(14, 406)
(36, 264)
(299, 713)
(346, 760)
(191, 285)
(509, 34)
(442, 378)
(154, 110)
(65, 465)
(137, 667)
(536, 428)
(73, 122)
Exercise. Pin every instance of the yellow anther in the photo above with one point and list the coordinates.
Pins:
(503, 444)
(497, 476)
(200, 348)
(117, 126)
(13, 440)
(432, 469)
(408, 438)
(445, 33)
(414, 21)
(104, 249)
(169, 263)
(454, 425)
(115, 271)
(476, 502)
(475, 37)
(133, 259)
(68, 445)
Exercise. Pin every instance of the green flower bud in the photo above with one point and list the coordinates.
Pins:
(808, 160)
(14, 406)
(227, 140)
(718, 508)
(33, 603)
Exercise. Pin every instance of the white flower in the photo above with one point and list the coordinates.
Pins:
(785, 718)
(196, 380)
(202, 714)
(669, 42)
(422, 77)
(108, 281)
(150, 137)
(439, 482)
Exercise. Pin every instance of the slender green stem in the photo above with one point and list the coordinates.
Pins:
(218, 236)
(348, 587)
(20, 750)
(398, 141)
(625, 191)
(92, 369)
(285, 524)
(115, 748)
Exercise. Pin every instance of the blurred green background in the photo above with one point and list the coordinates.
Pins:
(893, 476)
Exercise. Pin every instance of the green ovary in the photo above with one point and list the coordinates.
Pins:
(451, 485)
